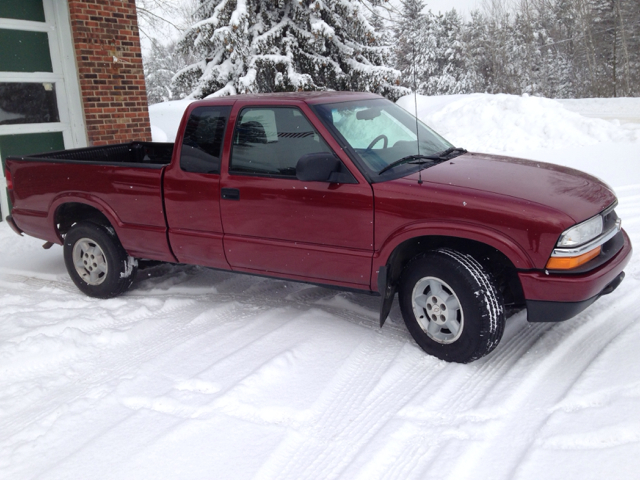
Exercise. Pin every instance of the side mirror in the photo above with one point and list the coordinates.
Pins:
(317, 167)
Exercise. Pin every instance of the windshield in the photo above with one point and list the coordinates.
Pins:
(380, 132)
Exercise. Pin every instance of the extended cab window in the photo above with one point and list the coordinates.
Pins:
(270, 141)
(203, 138)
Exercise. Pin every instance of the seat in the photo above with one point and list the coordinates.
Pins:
(251, 132)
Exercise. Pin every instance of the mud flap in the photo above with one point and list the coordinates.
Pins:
(387, 291)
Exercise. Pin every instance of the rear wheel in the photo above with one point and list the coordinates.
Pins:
(451, 306)
(96, 261)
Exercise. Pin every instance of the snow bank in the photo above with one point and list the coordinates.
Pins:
(508, 124)
(620, 109)
(165, 119)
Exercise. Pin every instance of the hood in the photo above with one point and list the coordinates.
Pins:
(502, 201)
(572, 192)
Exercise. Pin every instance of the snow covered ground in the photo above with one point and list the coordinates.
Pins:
(622, 109)
(202, 374)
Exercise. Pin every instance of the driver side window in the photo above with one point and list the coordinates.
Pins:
(270, 141)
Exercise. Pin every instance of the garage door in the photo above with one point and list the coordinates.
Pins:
(40, 106)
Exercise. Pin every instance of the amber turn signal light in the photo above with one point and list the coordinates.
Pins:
(567, 263)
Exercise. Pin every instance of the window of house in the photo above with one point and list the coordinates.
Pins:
(32, 10)
(24, 51)
(28, 103)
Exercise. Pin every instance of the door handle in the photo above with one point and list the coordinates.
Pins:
(230, 194)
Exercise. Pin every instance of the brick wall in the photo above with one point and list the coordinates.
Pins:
(107, 47)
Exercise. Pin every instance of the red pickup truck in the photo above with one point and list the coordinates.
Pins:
(340, 189)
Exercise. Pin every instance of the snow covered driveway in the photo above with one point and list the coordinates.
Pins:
(202, 374)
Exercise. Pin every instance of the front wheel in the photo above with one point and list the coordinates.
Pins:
(96, 261)
(451, 306)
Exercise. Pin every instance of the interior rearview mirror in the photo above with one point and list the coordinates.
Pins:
(368, 114)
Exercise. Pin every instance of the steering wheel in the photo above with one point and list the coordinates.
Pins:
(377, 139)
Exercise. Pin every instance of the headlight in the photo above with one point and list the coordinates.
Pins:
(581, 233)
(581, 243)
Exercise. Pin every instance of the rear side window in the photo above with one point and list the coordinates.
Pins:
(203, 138)
(270, 141)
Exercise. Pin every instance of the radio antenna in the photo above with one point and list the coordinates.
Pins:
(415, 104)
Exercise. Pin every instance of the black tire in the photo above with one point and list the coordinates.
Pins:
(473, 324)
(104, 269)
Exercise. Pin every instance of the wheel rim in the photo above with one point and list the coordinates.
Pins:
(89, 261)
(437, 310)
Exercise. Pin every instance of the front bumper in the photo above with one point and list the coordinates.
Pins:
(541, 311)
(552, 297)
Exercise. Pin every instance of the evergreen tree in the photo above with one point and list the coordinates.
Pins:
(493, 51)
(611, 36)
(630, 14)
(160, 66)
(411, 49)
(248, 46)
(448, 73)
(556, 48)
(478, 51)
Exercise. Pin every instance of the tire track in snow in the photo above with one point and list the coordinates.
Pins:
(422, 435)
(273, 301)
(104, 319)
(349, 413)
(418, 433)
(374, 413)
(163, 402)
(349, 385)
(113, 366)
(269, 301)
(579, 349)
(464, 393)
(491, 369)
(233, 353)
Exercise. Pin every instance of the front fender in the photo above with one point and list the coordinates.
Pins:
(460, 230)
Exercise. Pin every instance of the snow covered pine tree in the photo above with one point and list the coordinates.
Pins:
(252, 46)
(432, 45)
(161, 63)
(410, 48)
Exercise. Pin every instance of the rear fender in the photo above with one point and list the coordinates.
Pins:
(85, 199)
(139, 240)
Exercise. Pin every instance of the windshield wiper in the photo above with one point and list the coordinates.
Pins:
(418, 159)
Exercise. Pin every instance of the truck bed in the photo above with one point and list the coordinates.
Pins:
(123, 181)
(149, 154)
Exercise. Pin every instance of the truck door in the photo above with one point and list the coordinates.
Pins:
(192, 189)
(277, 224)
